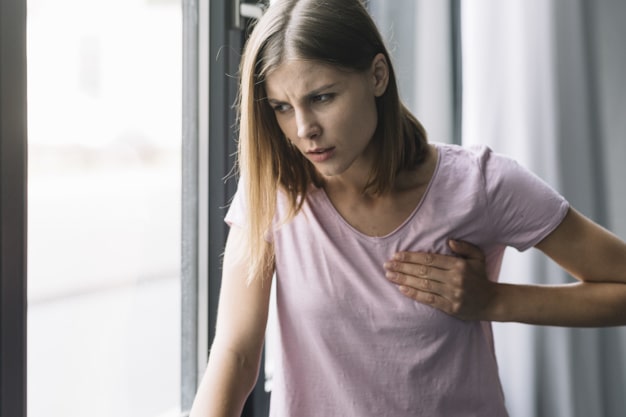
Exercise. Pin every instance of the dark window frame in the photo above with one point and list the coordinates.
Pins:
(209, 148)
(13, 204)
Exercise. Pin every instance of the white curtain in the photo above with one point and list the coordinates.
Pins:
(544, 81)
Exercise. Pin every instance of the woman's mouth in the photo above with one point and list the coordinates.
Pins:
(320, 154)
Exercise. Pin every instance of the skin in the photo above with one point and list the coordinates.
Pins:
(236, 351)
(319, 107)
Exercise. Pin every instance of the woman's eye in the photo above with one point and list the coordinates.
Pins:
(281, 108)
(321, 98)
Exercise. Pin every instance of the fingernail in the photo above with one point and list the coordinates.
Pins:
(391, 265)
(391, 275)
(397, 256)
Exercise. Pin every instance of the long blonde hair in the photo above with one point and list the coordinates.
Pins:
(336, 32)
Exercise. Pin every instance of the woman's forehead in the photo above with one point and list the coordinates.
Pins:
(300, 77)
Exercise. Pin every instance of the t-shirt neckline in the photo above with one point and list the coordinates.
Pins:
(331, 207)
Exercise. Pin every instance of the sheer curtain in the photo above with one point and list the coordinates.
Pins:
(543, 82)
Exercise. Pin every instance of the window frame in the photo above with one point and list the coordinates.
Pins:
(13, 208)
(213, 41)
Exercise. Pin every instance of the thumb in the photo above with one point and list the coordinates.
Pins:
(466, 249)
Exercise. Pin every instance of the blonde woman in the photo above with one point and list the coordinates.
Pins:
(385, 249)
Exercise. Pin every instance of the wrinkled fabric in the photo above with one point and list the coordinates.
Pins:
(349, 343)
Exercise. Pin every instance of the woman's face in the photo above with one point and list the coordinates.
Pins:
(329, 114)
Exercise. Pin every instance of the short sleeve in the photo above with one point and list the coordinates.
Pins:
(236, 214)
(522, 209)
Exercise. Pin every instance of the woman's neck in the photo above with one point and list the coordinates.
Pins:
(380, 214)
(353, 183)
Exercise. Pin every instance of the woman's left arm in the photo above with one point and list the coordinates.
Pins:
(459, 285)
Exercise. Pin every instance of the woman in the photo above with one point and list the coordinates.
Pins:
(385, 249)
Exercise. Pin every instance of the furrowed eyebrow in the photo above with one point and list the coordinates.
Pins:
(273, 102)
(307, 96)
(318, 91)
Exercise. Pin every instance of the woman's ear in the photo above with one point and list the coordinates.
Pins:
(380, 74)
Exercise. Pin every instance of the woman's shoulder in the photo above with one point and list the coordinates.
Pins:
(475, 153)
(462, 160)
(479, 158)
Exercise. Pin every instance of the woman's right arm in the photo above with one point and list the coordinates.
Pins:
(235, 355)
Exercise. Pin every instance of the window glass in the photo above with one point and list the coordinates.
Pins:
(104, 110)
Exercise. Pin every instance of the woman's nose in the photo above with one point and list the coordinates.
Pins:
(308, 127)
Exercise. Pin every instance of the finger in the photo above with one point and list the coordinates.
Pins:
(419, 283)
(466, 249)
(406, 270)
(428, 298)
(442, 288)
(428, 259)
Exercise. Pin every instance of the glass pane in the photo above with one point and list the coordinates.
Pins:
(104, 109)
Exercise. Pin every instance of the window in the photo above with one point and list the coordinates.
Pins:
(104, 110)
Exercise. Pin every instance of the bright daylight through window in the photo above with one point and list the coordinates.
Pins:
(104, 110)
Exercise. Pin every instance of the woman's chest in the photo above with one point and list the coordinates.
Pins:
(376, 217)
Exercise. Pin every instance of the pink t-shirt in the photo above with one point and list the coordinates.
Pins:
(350, 344)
